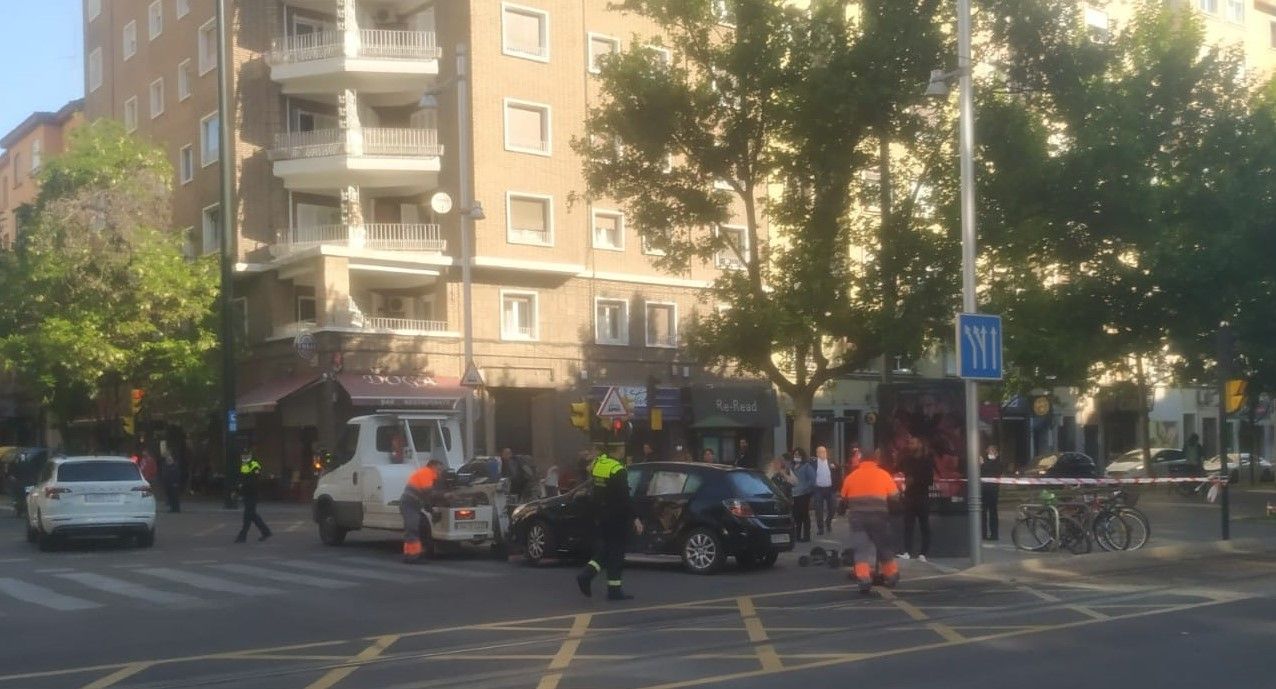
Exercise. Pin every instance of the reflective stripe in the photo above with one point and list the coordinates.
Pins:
(613, 582)
(597, 567)
(412, 547)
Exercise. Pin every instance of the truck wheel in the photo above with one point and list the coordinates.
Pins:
(330, 532)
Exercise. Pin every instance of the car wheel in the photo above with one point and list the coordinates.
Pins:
(539, 543)
(330, 532)
(702, 552)
(768, 559)
(146, 539)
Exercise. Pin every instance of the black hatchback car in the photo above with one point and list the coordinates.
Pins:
(1065, 465)
(703, 513)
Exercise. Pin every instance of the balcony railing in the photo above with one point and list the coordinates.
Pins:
(404, 324)
(416, 237)
(370, 43)
(368, 141)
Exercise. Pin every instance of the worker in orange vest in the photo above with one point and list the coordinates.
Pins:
(419, 493)
(866, 493)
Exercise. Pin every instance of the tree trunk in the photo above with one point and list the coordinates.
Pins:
(1145, 415)
(803, 401)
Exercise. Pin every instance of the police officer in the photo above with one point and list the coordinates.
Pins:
(418, 494)
(249, 475)
(613, 517)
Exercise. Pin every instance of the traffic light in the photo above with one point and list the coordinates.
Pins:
(1235, 395)
(135, 401)
(580, 415)
(128, 425)
(616, 425)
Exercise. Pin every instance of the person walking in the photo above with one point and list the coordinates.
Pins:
(867, 492)
(803, 488)
(825, 490)
(613, 519)
(919, 475)
(418, 496)
(1194, 455)
(171, 473)
(990, 466)
(249, 477)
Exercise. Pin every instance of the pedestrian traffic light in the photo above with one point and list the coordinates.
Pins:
(580, 415)
(135, 401)
(128, 425)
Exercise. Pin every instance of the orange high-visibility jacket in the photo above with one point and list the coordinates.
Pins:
(867, 488)
(420, 483)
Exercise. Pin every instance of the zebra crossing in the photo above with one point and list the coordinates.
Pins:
(189, 585)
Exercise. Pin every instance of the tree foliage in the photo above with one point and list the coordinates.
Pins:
(102, 295)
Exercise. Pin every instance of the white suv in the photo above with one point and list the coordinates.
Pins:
(90, 496)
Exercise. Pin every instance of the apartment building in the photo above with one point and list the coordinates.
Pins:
(348, 279)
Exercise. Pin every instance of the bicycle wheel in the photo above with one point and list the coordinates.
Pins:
(1110, 531)
(1033, 534)
(1073, 537)
(1137, 525)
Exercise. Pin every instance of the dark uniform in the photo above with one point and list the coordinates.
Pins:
(990, 467)
(249, 474)
(613, 516)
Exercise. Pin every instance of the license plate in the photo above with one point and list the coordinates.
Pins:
(780, 538)
(471, 526)
(102, 498)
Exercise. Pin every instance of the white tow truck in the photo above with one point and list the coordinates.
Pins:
(376, 455)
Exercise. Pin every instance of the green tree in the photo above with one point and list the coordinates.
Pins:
(780, 116)
(102, 296)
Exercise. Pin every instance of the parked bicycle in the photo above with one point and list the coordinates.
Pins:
(1043, 527)
(1111, 521)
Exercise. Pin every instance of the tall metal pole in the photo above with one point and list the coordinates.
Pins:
(966, 136)
(227, 216)
(465, 180)
(1226, 362)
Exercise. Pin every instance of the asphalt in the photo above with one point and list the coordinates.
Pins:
(200, 611)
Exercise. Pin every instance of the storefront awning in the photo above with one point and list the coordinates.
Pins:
(734, 406)
(263, 398)
(402, 392)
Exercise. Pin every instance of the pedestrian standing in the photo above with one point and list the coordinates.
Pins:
(249, 478)
(708, 457)
(418, 497)
(803, 487)
(867, 492)
(551, 481)
(1194, 455)
(919, 475)
(743, 458)
(990, 466)
(171, 474)
(613, 519)
(824, 491)
(648, 454)
(781, 475)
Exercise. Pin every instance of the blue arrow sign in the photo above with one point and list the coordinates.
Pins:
(232, 421)
(979, 346)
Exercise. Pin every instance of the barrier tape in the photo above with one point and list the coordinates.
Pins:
(1016, 481)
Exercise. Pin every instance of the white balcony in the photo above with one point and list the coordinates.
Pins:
(357, 322)
(414, 238)
(399, 160)
(375, 62)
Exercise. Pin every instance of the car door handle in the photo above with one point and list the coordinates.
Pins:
(355, 478)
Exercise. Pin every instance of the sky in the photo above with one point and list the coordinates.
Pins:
(42, 48)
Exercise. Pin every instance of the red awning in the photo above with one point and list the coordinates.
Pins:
(263, 398)
(402, 392)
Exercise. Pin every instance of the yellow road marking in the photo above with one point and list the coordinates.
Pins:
(766, 654)
(1047, 597)
(915, 613)
(118, 676)
(335, 676)
(283, 656)
(566, 652)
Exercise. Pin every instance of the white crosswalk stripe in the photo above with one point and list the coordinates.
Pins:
(210, 583)
(286, 577)
(39, 595)
(130, 589)
(358, 572)
(430, 567)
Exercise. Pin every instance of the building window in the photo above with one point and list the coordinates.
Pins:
(130, 39)
(662, 324)
(609, 230)
(527, 127)
(601, 46)
(611, 322)
(155, 19)
(186, 163)
(157, 98)
(209, 139)
(1236, 10)
(208, 47)
(17, 171)
(306, 312)
(184, 80)
(94, 9)
(37, 155)
(530, 219)
(728, 257)
(95, 69)
(1210, 6)
(518, 316)
(183, 8)
(525, 32)
(662, 56)
(649, 247)
(130, 114)
(212, 228)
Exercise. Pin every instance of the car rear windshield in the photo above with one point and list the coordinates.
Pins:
(81, 472)
(747, 484)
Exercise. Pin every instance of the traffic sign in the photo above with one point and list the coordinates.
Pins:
(472, 378)
(232, 421)
(979, 343)
(613, 405)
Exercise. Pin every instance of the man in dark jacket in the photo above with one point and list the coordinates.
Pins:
(171, 473)
(613, 518)
(990, 466)
(919, 475)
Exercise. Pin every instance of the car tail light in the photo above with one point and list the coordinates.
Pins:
(464, 514)
(738, 508)
(144, 490)
(53, 493)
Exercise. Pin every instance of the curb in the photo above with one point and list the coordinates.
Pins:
(1098, 563)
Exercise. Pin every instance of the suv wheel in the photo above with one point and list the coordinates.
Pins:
(539, 543)
(702, 552)
(330, 532)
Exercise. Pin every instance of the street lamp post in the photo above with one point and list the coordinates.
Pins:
(969, 300)
(227, 254)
